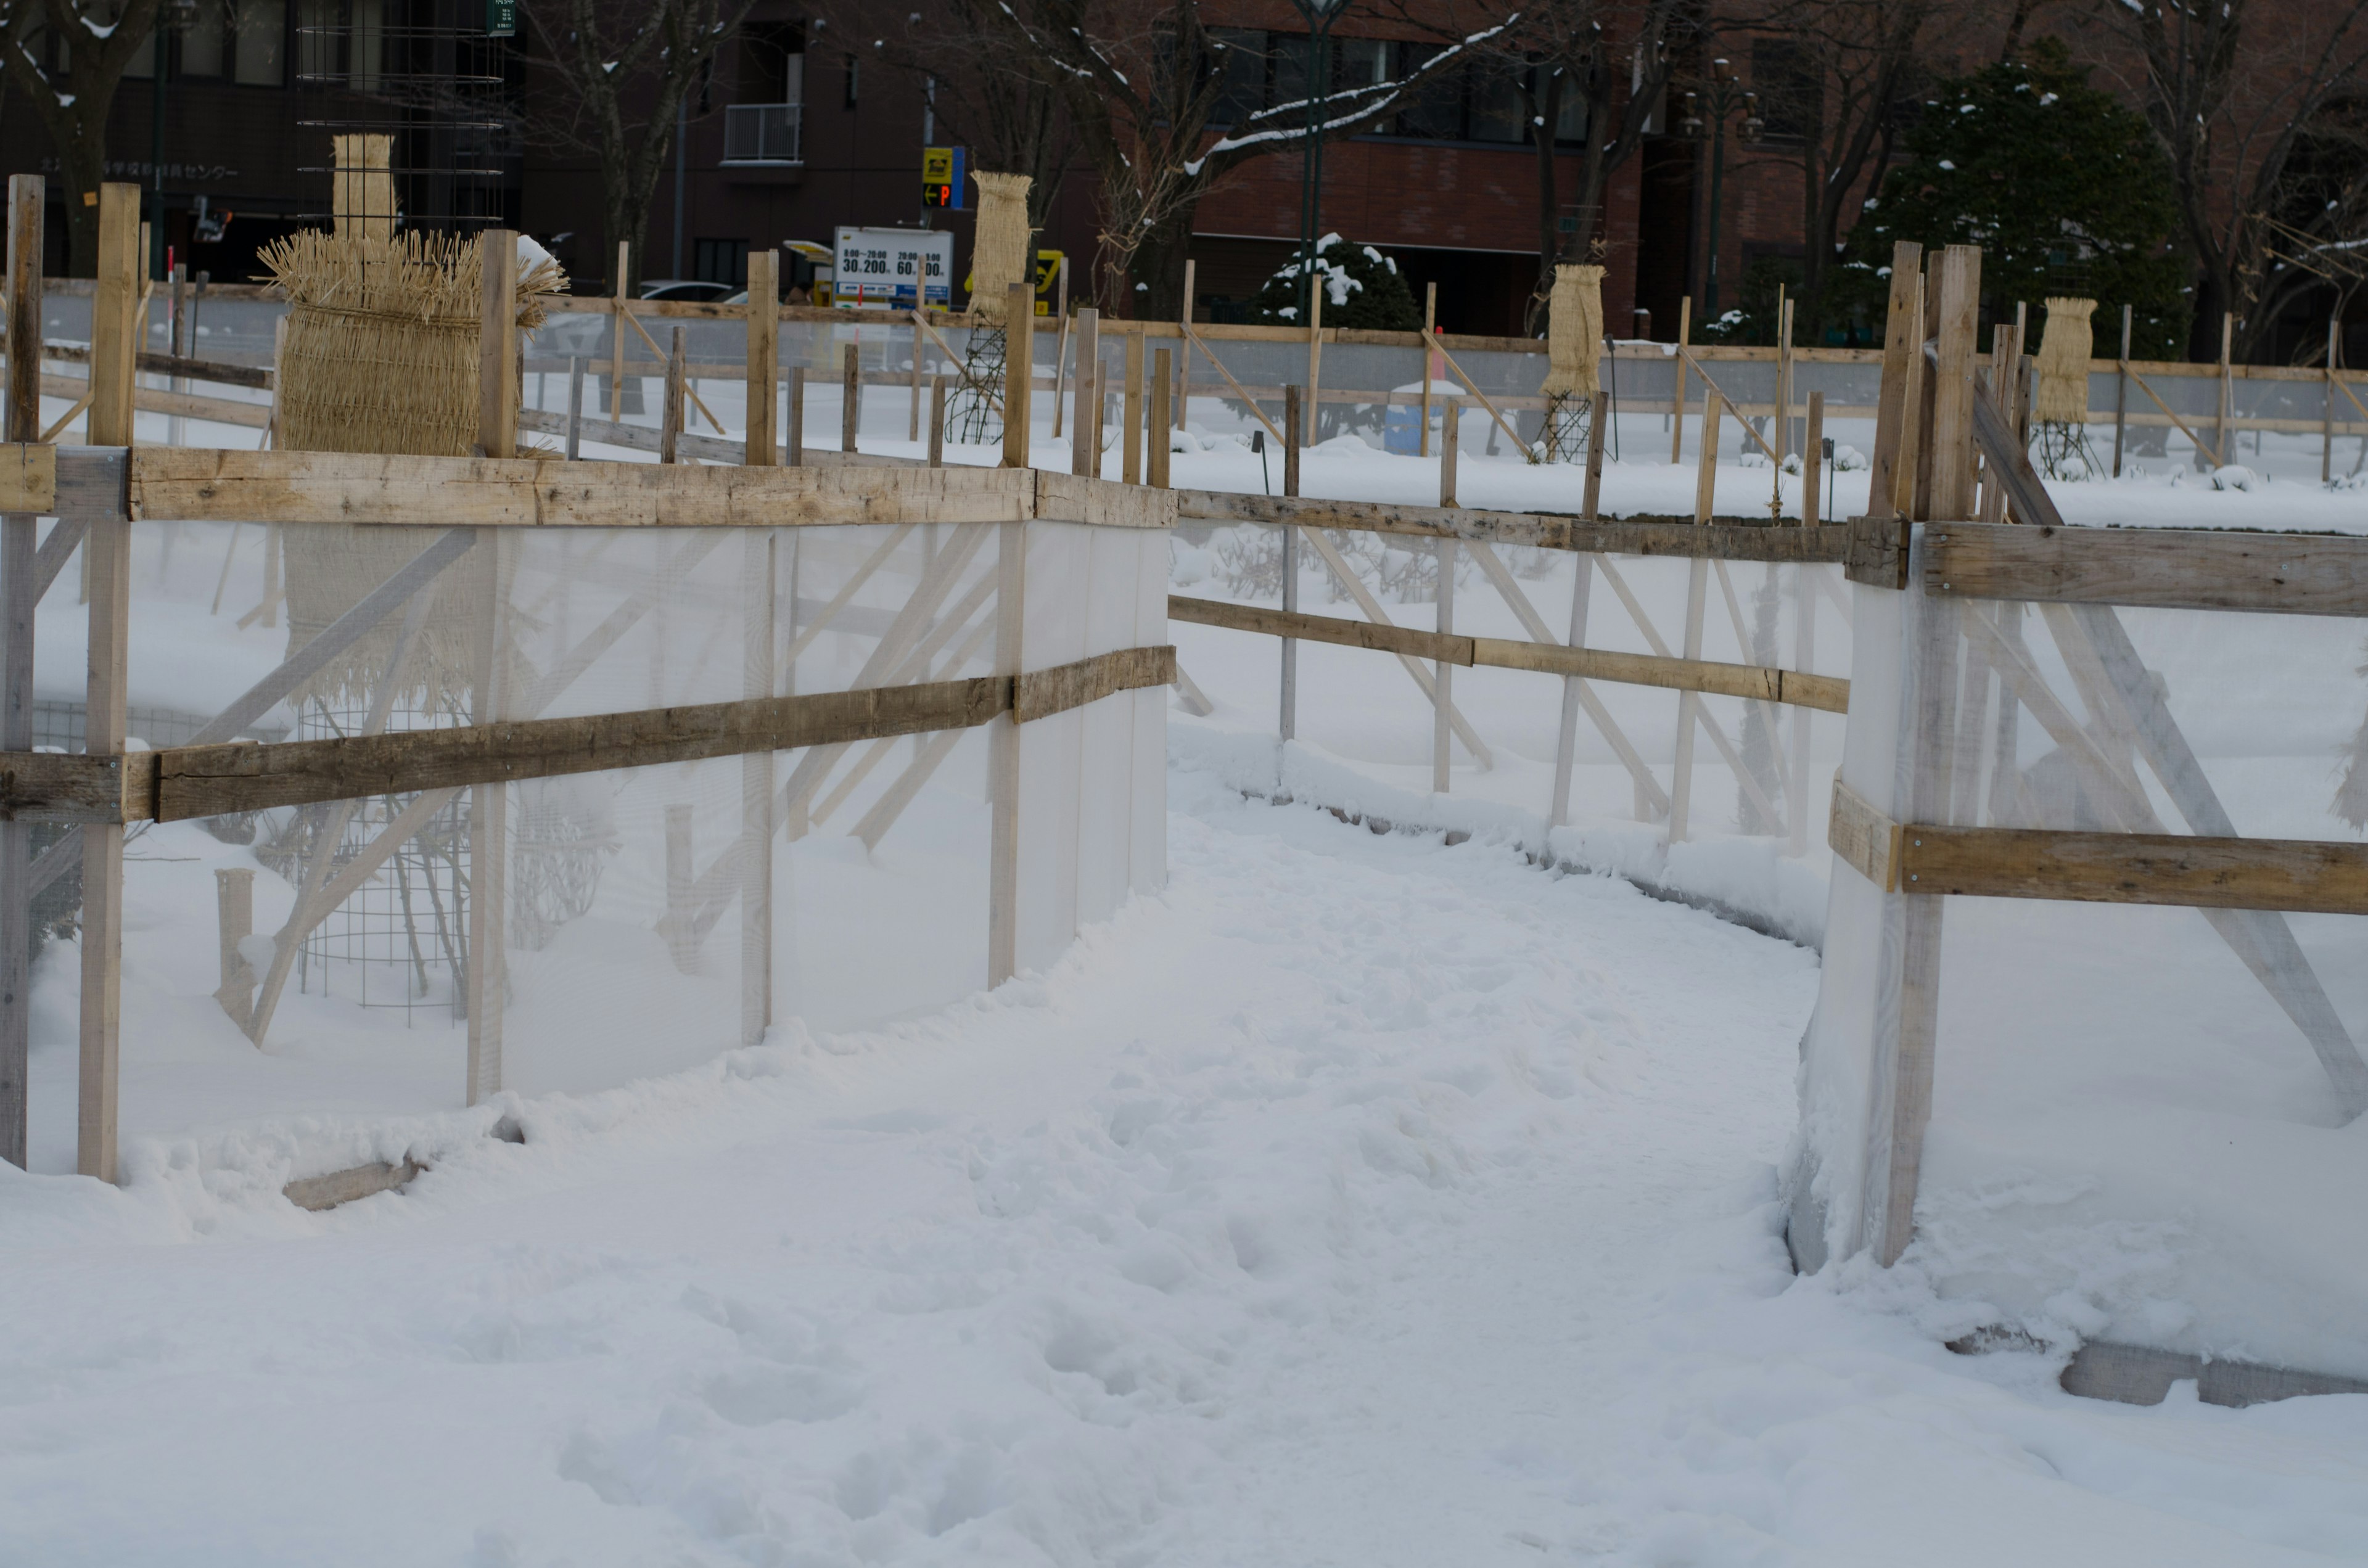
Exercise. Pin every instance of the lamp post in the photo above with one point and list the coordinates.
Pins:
(1319, 15)
(1721, 96)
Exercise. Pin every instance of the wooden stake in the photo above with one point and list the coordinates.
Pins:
(107, 551)
(2327, 440)
(235, 922)
(1813, 462)
(1184, 361)
(1706, 461)
(1287, 725)
(1315, 357)
(1162, 377)
(1447, 442)
(670, 409)
(764, 356)
(1678, 397)
(2004, 367)
(1291, 441)
(1903, 340)
(1018, 371)
(937, 420)
(1953, 387)
(1129, 470)
(575, 420)
(1084, 429)
(850, 397)
(20, 420)
(797, 416)
(1598, 416)
(1443, 673)
(2121, 392)
(758, 568)
(2220, 449)
(497, 362)
(1430, 330)
(617, 361)
(1060, 343)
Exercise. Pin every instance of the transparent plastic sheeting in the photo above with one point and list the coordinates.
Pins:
(2133, 1136)
(623, 952)
(1358, 709)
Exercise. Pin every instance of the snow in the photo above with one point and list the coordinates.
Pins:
(1358, 1199)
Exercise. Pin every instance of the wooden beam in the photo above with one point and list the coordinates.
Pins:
(498, 368)
(1903, 332)
(2159, 568)
(1040, 694)
(1866, 840)
(20, 400)
(1953, 392)
(29, 478)
(764, 357)
(67, 787)
(1018, 371)
(1734, 539)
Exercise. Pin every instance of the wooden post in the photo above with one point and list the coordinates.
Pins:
(670, 405)
(1157, 457)
(2004, 365)
(1060, 342)
(937, 420)
(1706, 461)
(497, 362)
(1813, 462)
(1018, 371)
(850, 397)
(2227, 389)
(574, 407)
(1003, 760)
(489, 839)
(1184, 356)
(1783, 421)
(797, 416)
(107, 547)
(2327, 440)
(20, 420)
(920, 352)
(1430, 329)
(757, 567)
(1129, 470)
(764, 356)
(1903, 341)
(617, 332)
(1084, 429)
(1952, 386)
(2121, 392)
(1678, 397)
(1443, 672)
(1287, 722)
(1447, 436)
(1314, 407)
(1596, 417)
(681, 878)
(235, 917)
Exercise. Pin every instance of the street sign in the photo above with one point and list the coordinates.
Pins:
(893, 269)
(944, 171)
(501, 18)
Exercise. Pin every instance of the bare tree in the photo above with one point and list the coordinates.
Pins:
(1588, 52)
(2258, 110)
(1832, 76)
(1144, 82)
(609, 80)
(68, 57)
(986, 89)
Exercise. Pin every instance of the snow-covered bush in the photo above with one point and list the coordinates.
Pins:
(1363, 289)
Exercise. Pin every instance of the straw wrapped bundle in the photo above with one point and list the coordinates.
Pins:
(999, 256)
(382, 348)
(1575, 332)
(2064, 350)
(380, 356)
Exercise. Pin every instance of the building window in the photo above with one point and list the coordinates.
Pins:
(1785, 76)
(1241, 55)
(202, 42)
(262, 43)
(721, 261)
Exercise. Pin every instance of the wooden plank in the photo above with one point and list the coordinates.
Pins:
(2159, 568)
(1902, 335)
(1102, 503)
(764, 358)
(2294, 875)
(1877, 552)
(497, 377)
(1403, 639)
(29, 479)
(1952, 387)
(204, 485)
(202, 781)
(1756, 682)
(1866, 840)
(1040, 694)
(20, 399)
(67, 787)
(1018, 371)
(317, 1193)
(1733, 539)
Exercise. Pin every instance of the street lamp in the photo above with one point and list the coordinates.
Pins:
(1721, 96)
(1319, 16)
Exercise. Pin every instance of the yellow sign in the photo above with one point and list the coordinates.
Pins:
(937, 165)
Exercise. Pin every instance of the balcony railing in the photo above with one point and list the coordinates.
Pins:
(762, 134)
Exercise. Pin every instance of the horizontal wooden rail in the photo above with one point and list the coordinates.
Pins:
(182, 783)
(2297, 876)
(2157, 568)
(1830, 693)
(255, 376)
(1731, 538)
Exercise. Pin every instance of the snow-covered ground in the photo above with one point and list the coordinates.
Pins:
(1356, 1200)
